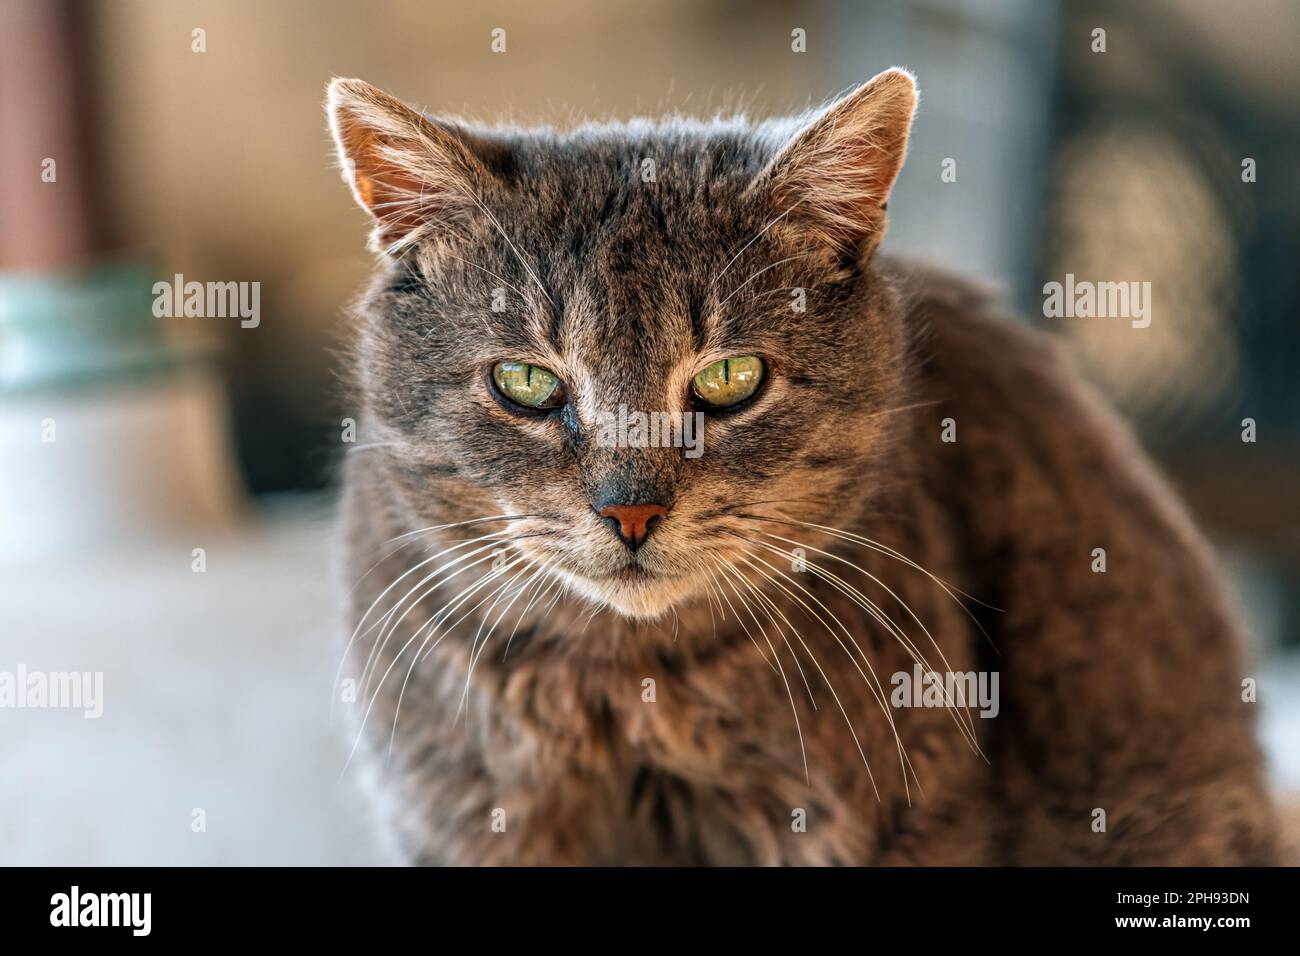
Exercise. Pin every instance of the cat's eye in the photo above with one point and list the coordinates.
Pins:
(528, 385)
(729, 382)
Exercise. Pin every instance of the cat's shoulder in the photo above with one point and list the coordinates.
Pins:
(965, 332)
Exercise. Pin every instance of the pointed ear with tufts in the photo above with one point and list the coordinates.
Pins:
(411, 173)
(835, 174)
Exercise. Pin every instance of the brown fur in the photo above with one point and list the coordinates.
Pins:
(1119, 690)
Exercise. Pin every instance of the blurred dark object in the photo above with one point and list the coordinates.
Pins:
(1172, 163)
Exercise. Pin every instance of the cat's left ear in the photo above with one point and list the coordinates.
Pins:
(832, 179)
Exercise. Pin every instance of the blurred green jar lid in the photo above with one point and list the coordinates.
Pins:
(74, 329)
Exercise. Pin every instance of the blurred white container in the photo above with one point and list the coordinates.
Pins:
(114, 464)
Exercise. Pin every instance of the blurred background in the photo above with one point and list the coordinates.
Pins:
(165, 483)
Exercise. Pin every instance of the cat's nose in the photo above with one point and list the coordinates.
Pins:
(633, 523)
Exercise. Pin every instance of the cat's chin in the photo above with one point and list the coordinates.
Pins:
(640, 597)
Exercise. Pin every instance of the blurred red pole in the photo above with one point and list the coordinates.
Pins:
(45, 114)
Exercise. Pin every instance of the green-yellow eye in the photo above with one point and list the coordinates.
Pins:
(730, 381)
(528, 385)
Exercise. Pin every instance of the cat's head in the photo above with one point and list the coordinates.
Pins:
(539, 290)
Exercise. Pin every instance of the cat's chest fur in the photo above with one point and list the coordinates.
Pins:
(625, 771)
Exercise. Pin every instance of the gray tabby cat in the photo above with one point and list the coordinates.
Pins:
(575, 650)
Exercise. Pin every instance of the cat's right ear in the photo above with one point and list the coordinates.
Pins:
(411, 173)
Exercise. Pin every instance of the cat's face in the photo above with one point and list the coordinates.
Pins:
(539, 291)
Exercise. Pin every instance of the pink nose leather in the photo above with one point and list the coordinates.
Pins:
(634, 521)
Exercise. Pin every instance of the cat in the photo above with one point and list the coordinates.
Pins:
(569, 651)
